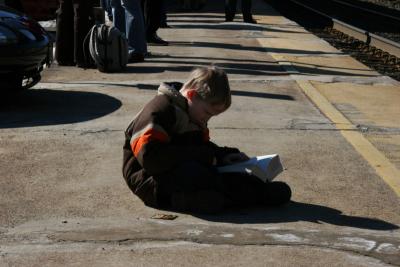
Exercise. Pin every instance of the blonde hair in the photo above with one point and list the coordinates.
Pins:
(211, 84)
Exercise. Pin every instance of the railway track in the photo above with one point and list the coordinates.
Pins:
(366, 44)
(380, 21)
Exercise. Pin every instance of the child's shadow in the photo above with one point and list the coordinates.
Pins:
(296, 211)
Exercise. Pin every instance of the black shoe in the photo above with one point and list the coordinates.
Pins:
(229, 18)
(165, 26)
(209, 202)
(156, 40)
(136, 57)
(276, 193)
(250, 20)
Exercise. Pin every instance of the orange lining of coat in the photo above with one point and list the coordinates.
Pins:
(145, 138)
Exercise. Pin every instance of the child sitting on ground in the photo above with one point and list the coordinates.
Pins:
(169, 161)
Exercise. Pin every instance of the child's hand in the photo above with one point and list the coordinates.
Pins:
(234, 158)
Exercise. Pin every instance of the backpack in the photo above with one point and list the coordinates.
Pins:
(108, 48)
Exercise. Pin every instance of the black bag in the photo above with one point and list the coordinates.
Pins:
(108, 48)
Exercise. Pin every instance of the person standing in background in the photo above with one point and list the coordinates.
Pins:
(230, 11)
(152, 10)
(74, 19)
(106, 5)
(163, 15)
(128, 18)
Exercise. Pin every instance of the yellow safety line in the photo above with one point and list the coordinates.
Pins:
(386, 170)
(389, 173)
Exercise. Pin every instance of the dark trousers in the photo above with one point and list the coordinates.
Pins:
(238, 189)
(74, 19)
(152, 10)
(106, 5)
(230, 9)
(16, 4)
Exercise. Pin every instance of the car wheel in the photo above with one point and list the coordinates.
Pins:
(31, 81)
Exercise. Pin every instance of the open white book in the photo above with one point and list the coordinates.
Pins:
(265, 167)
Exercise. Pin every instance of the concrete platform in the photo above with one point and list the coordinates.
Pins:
(63, 201)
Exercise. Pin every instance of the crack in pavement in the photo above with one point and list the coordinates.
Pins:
(384, 246)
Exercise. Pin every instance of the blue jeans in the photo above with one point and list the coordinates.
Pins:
(128, 18)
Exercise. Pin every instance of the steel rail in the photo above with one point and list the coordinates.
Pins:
(364, 36)
(367, 10)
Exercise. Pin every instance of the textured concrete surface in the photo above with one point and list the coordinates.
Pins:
(377, 115)
(63, 201)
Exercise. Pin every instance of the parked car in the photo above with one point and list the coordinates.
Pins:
(25, 48)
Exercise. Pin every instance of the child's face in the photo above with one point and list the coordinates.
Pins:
(201, 112)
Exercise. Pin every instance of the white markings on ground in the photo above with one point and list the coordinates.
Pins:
(228, 235)
(388, 248)
(286, 238)
(194, 232)
(356, 243)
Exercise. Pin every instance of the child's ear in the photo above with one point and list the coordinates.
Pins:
(191, 93)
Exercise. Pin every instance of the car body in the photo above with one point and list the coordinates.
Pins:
(25, 48)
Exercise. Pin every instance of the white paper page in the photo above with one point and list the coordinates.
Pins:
(265, 167)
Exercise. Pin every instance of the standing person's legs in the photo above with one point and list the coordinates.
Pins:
(135, 30)
(163, 15)
(230, 10)
(118, 13)
(65, 34)
(246, 11)
(82, 23)
(105, 4)
(153, 11)
(152, 18)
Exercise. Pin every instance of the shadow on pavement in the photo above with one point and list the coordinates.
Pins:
(173, 58)
(252, 48)
(220, 25)
(234, 92)
(215, 25)
(198, 15)
(229, 68)
(297, 211)
(51, 107)
(189, 20)
(142, 86)
(262, 95)
(269, 70)
(241, 69)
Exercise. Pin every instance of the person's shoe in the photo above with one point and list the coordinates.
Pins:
(165, 26)
(250, 20)
(209, 202)
(156, 40)
(276, 193)
(229, 18)
(136, 57)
